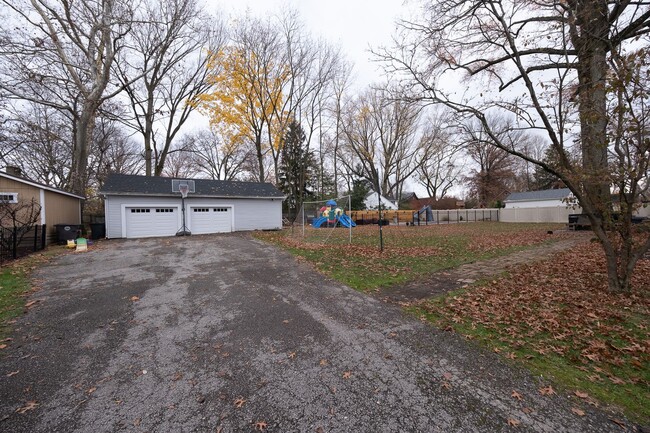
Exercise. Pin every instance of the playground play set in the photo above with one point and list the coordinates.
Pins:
(332, 216)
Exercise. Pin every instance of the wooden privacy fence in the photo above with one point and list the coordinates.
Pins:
(19, 241)
(425, 217)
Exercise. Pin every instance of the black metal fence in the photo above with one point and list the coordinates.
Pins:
(20, 241)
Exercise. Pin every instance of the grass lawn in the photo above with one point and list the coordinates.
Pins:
(557, 318)
(15, 286)
(409, 252)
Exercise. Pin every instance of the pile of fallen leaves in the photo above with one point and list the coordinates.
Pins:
(561, 307)
(488, 242)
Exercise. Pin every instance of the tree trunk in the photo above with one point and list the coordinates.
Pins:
(84, 126)
(148, 133)
(590, 39)
(260, 156)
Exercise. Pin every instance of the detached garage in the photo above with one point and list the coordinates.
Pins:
(142, 206)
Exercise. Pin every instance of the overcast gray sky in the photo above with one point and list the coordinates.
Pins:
(354, 25)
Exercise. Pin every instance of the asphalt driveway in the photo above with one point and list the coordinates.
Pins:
(228, 334)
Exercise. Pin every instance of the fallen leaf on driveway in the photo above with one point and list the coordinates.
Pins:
(91, 390)
(13, 373)
(446, 385)
(2, 346)
(323, 362)
(261, 425)
(513, 422)
(548, 390)
(516, 395)
(285, 321)
(30, 304)
(577, 411)
(347, 375)
(239, 402)
(581, 394)
(292, 355)
(30, 405)
(135, 298)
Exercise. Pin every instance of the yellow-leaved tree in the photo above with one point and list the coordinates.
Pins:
(248, 78)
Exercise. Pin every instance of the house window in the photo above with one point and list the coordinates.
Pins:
(137, 210)
(165, 210)
(201, 209)
(220, 209)
(8, 197)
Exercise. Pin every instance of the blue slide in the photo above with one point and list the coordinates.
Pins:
(318, 222)
(346, 221)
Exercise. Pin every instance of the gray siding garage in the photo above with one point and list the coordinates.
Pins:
(140, 206)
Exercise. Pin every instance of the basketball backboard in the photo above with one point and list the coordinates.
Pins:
(176, 183)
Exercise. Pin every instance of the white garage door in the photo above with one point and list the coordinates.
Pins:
(210, 220)
(143, 222)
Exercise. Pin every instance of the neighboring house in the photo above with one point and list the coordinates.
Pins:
(442, 204)
(542, 198)
(371, 202)
(57, 206)
(141, 206)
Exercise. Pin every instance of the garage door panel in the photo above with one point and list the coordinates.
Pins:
(212, 219)
(142, 222)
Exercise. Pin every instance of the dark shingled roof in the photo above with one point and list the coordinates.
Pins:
(545, 194)
(126, 184)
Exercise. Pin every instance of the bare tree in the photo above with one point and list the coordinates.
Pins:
(216, 158)
(112, 150)
(340, 85)
(59, 54)
(18, 219)
(181, 164)
(437, 167)
(490, 182)
(380, 136)
(39, 142)
(546, 65)
(171, 45)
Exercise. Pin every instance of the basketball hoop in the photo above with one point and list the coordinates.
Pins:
(183, 189)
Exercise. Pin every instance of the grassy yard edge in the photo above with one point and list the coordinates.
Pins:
(16, 286)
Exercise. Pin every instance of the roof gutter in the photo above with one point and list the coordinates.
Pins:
(136, 194)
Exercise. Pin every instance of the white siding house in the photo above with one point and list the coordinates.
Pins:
(372, 202)
(139, 206)
(542, 198)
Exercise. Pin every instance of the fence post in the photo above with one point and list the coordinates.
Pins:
(14, 243)
(44, 235)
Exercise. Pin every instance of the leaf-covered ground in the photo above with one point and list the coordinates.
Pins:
(558, 318)
(15, 285)
(409, 252)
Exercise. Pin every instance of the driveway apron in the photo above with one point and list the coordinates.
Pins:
(228, 334)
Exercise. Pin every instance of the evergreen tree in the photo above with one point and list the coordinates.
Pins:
(297, 168)
(360, 190)
(542, 178)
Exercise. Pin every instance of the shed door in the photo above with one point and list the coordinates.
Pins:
(143, 222)
(211, 220)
